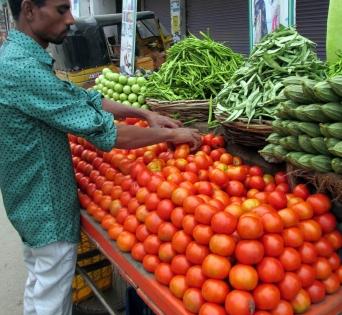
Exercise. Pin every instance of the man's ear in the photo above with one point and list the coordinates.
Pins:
(27, 9)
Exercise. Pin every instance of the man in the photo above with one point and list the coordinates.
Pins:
(37, 110)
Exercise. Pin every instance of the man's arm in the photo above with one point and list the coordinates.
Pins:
(122, 111)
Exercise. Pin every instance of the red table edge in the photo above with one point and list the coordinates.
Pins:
(158, 298)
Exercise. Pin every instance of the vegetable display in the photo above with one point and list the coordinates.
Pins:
(308, 133)
(121, 88)
(195, 68)
(256, 88)
(224, 237)
(336, 67)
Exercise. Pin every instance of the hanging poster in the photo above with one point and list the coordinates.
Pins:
(128, 35)
(266, 15)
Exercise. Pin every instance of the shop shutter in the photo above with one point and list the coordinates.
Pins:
(161, 8)
(227, 21)
(311, 20)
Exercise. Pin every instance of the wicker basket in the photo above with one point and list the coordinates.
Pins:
(184, 110)
(253, 134)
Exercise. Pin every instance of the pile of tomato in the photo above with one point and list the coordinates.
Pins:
(223, 236)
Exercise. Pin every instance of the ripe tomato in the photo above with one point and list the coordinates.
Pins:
(191, 203)
(215, 291)
(196, 253)
(272, 222)
(334, 261)
(323, 268)
(189, 224)
(234, 209)
(320, 203)
(301, 191)
(223, 223)
(289, 217)
(308, 253)
(277, 199)
(284, 187)
(311, 230)
(335, 239)
(289, 286)
(194, 277)
(216, 267)
(211, 309)
(303, 209)
(270, 270)
(250, 227)
(131, 223)
(239, 302)
(126, 241)
(166, 231)
(327, 221)
(133, 204)
(301, 303)
(193, 300)
(178, 286)
(266, 296)
(166, 252)
(316, 291)
(165, 189)
(152, 244)
(222, 245)
(202, 234)
(163, 273)
(243, 277)
(138, 252)
(256, 182)
(280, 177)
(164, 209)
(150, 262)
(122, 215)
(152, 222)
(249, 252)
(236, 188)
(204, 213)
(218, 177)
(115, 230)
(273, 245)
(307, 275)
(283, 308)
(226, 158)
(151, 201)
(179, 194)
(141, 213)
(180, 241)
(324, 247)
(332, 284)
(290, 259)
(293, 237)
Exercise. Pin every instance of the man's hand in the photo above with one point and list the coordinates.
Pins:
(158, 121)
(187, 135)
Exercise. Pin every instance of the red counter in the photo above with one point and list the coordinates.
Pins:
(156, 296)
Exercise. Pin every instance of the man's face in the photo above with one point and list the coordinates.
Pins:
(51, 22)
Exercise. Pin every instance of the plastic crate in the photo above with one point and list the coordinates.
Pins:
(97, 267)
(135, 305)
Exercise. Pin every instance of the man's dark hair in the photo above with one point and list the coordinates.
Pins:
(15, 6)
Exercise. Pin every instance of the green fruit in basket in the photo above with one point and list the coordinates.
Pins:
(305, 161)
(311, 129)
(136, 105)
(131, 80)
(336, 165)
(126, 89)
(132, 97)
(126, 103)
(292, 143)
(325, 93)
(116, 96)
(144, 106)
(291, 128)
(274, 138)
(118, 88)
(123, 79)
(141, 81)
(321, 163)
(336, 149)
(332, 130)
(141, 99)
(123, 97)
(279, 152)
(336, 84)
(305, 145)
(295, 94)
(135, 88)
(333, 111)
(293, 158)
(319, 145)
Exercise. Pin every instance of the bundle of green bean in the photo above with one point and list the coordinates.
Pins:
(194, 69)
(255, 89)
(336, 68)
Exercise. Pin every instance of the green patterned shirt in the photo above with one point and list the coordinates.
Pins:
(37, 110)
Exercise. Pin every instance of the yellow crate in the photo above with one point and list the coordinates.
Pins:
(100, 272)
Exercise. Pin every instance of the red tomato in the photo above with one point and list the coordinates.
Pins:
(166, 252)
(307, 275)
(332, 284)
(289, 217)
(164, 209)
(152, 200)
(323, 268)
(166, 231)
(320, 203)
(193, 300)
(222, 245)
(335, 239)
(249, 252)
(308, 253)
(284, 187)
(180, 241)
(180, 265)
(250, 227)
(301, 303)
(152, 222)
(334, 261)
(316, 291)
(280, 177)
(215, 291)
(211, 309)
(327, 221)
(289, 286)
(277, 199)
(303, 209)
(178, 286)
(165, 189)
(236, 188)
(273, 245)
(283, 308)
(216, 267)
(239, 302)
(311, 230)
(272, 222)
(301, 191)
(290, 259)
(270, 270)
(177, 216)
(163, 273)
(196, 253)
(179, 194)
(126, 241)
(266, 296)
(293, 237)
(204, 213)
(324, 247)
(202, 234)
(223, 223)
(189, 224)
(194, 277)
(243, 277)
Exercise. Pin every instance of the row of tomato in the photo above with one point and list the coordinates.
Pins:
(225, 237)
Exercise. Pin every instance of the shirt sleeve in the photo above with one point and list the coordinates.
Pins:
(65, 106)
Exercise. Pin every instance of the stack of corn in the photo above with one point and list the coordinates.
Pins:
(308, 131)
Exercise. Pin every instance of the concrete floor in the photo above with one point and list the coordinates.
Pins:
(12, 269)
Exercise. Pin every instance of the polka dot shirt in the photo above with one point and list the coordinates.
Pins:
(37, 110)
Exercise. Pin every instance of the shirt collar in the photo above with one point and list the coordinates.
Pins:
(31, 46)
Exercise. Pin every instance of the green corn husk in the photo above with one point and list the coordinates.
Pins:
(284, 144)
(333, 130)
(291, 128)
(289, 108)
(336, 84)
(310, 129)
(304, 142)
(293, 158)
(267, 153)
(308, 89)
(295, 94)
(321, 163)
(330, 142)
(319, 145)
(336, 165)
(336, 149)
(305, 160)
(332, 111)
(279, 152)
(325, 93)
(274, 138)
(277, 126)
(292, 142)
(281, 112)
(310, 113)
(293, 80)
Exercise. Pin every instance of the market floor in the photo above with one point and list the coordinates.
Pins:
(12, 270)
